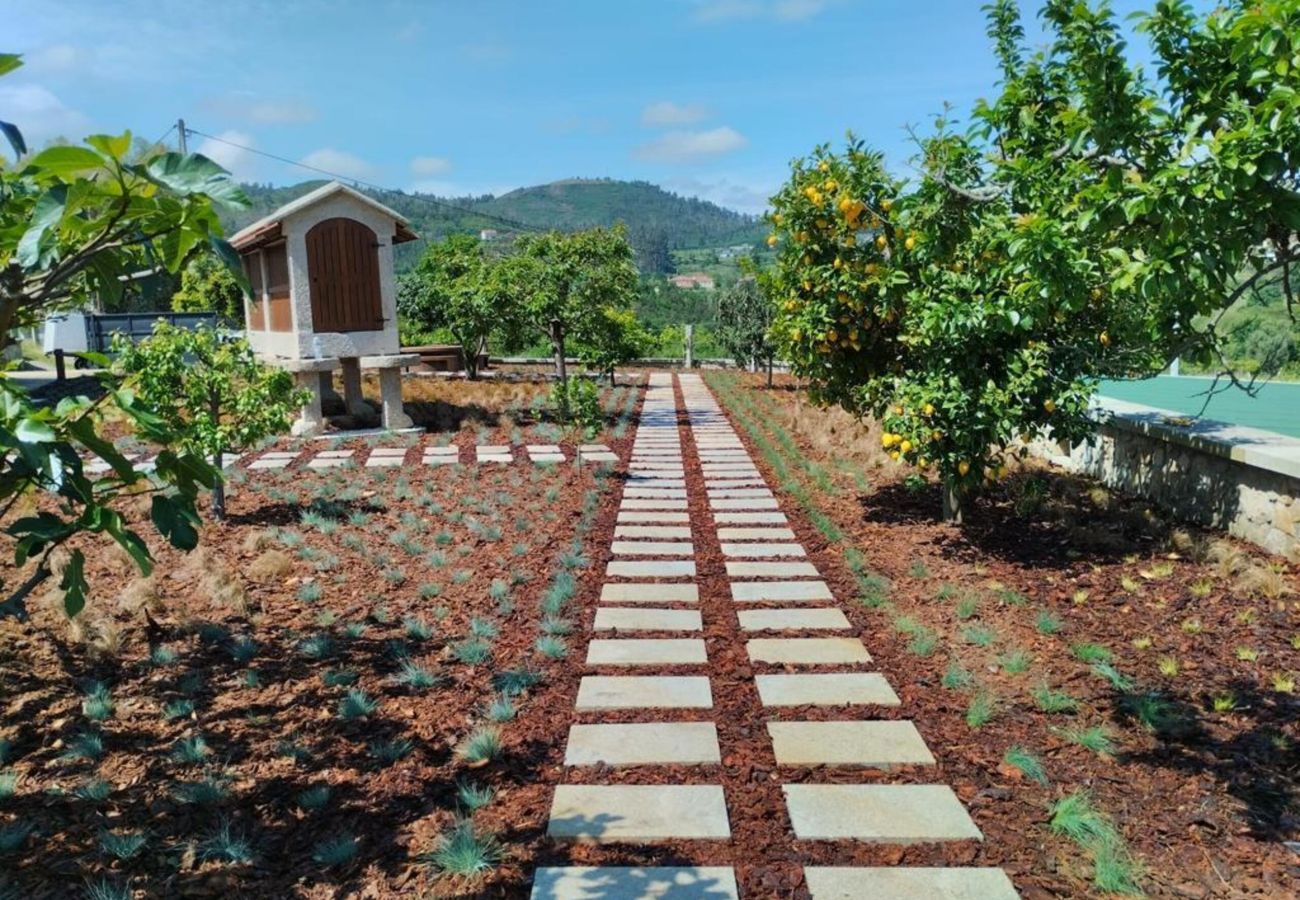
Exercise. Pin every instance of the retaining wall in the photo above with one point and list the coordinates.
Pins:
(1243, 480)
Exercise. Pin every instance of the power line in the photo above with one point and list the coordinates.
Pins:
(501, 220)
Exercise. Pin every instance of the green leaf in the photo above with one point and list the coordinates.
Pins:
(115, 146)
(9, 62)
(175, 522)
(34, 431)
(45, 215)
(67, 160)
(74, 584)
(195, 174)
(15, 138)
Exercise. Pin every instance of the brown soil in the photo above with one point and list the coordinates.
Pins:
(1206, 798)
(178, 637)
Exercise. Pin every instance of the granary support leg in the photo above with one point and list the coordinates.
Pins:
(310, 420)
(352, 398)
(390, 391)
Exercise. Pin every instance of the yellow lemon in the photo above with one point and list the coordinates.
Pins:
(893, 454)
(771, 240)
(886, 205)
(881, 241)
(963, 468)
(906, 446)
(1049, 405)
(1104, 338)
(928, 409)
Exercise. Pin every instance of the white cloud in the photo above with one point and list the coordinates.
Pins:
(40, 115)
(732, 194)
(426, 166)
(338, 162)
(56, 59)
(665, 112)
(711, 11)
(690, 146)
(281, 112)
(241, 163)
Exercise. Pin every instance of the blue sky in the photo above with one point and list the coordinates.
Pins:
(705, 97)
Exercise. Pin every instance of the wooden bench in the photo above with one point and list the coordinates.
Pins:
(444, 357)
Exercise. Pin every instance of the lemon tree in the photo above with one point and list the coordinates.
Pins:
(1089, 225)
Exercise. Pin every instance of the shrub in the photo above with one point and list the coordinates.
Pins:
(336, 851)
(463, 851)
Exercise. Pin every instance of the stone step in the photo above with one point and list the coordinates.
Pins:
(637, 618)
(640, 503)
(649, 593)
(750, 551)
(755, 534)
(646, 652)
(643, 516)
(744, 503)
(771, 570)
(826, 689)
(652, 548)
(644, 692)
(904, 883)
(818, 651)
(627, 883)
(652, 532)
(878, 813)
(750, 518)
(638, 813)
(787, 591)
(792, 619)
(878, 744)
(643, 744)
(663, 568)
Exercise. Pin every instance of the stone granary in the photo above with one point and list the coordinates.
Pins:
(323, 298)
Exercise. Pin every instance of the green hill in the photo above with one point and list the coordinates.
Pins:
(658, 221)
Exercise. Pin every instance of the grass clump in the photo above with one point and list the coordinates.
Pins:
(473, 651)
(1015, 662)
(956, 677)
(1027, 763)
(978, 635)
(227, 845)
(482, 746)
(1047, 622)
(1053, 701)
(356, 704)
(333, 852)
(474, 796)
(1090, 653)
(97, 704)
(122, 845)
(391, 751)
(88, 745)
(191, 751)
(552, 646)
(1095, 738)
(1114, 870)
(464, 851)
(982, 709)
(416, 676)
(204, 792)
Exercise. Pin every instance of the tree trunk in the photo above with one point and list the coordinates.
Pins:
(561, 369)
(769, 371)
(471, 362)
(218, 457)
(952, 503)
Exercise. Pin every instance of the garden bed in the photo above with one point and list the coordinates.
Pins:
(1082, 667)
(348, 690)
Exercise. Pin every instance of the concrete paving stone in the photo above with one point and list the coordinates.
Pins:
(659, 568)
(651, 503)
(646, 652)
(752, 550)
(274, 463)
(749, 518)
(600, 457)
(727, 483)
(826, 689)
(652, 481)
(905, 883)
(755, 592)
(716, 493)
(755, 534)
(643, 744)
(744, 503)
(792, 619)
(723, 468)
(388, 451)
(875, 744)
(627, 883)
(818, 651)
(441, 460)
(335, 454)
(723, 455)
(638, 813)
(276, 454)
(771, 570)
(442, 451)
(657, 452)
(593, 448)
(653, 532)
(379, 462)
(879, 813)
(329, 462)
(652, 548)
(640, 618)
(639, 470)
(665, 493)
(649, 593)
(633, 516)
(546, 458)
(542, 448)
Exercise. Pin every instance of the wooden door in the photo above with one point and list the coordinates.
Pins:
(343, 268)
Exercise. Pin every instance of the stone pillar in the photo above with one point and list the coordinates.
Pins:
(353, 401)
(390, 392)
(327, 392)
(689, 341)
(310, 421)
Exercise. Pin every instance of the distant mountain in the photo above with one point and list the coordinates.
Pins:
(658, 221)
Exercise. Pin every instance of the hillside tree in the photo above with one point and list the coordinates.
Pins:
(209, 285)
(744, 319)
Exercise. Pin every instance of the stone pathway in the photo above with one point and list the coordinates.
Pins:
(384, 457)
(803, 646)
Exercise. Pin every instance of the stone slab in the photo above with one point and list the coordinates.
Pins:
(652, 532)
(875, 744)
(442, 451)
(737, 493)
(329, 462)
(638, 813)
(761, 550)
(744, 503)
(649, 593)
(644, 692)
(382, 462)
(750, 518)
(600, 457)
(667, 568)
(638, 618)
(826, 689)
(441, 460)
(643, 744)
(634, 516)
(652, 548)
(816, 651)
(643, 503)
(879, 813)
(388, 451)
(751, 481)
(755, 534)
(628, 883)
(335, 454)
(905, 883)
(779, 591)
(273, 463)
(646, 652)
(542, 448)
(792, 619)
(771, 570)
(546, 458)
(679, 484)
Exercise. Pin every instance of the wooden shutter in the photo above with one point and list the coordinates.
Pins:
(277, 288)
(343, 268)
(253, 270)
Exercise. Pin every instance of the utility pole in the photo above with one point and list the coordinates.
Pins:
(180, 129)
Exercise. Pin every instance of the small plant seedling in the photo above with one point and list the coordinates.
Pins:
(122, 845)
(1090, 653)
(103, 889)
(483, 628)
(313, 798)
(317, 646)
(501, 709)
(1080, 597)
(979, 635)
(1029, 765)
(87, 745)
(1095, 738)
(1247, 654)
(1201, 588)
(1012, 598)
(1168, 666)
(513, 682)
(226, 844)
(1283, 683)
(918, 569)
(1225, 702)
(390, 751)
(482, 746)
(1142, 643)
(555, 625)
(956, 678)
(338, 677)
(1117, 679)
(474, 796)
(967, 607)
(1015, 662)
(1113, 870)
(473, 651)
(13, 836)
(1191, 626)
(416, 676)
(93, 790)
(97, 704)
(552, 646)
(8, 784)
(463, 851)
(1047, 622)
(191, 751)
(310, 592)
(356, 704)
(1053, 701)
(162, 655)
(204, 792)
(243, 649)
(982, 709)
(417, 629)
(337, 851)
